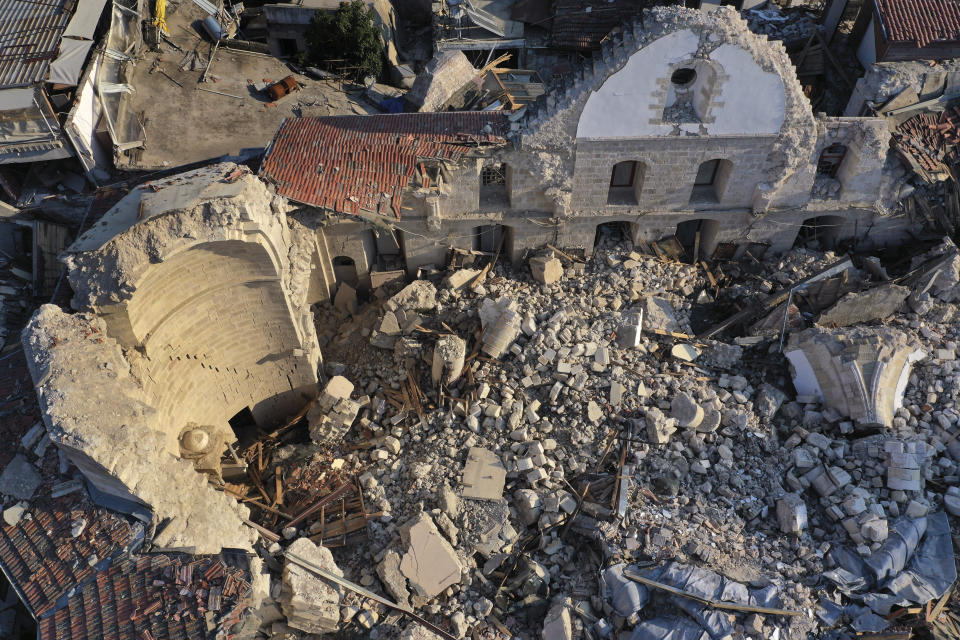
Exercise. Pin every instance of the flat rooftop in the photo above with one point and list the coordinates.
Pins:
(188, 123)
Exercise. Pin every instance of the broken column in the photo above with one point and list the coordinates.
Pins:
(859, 372)
(546, 269)
(502, 325)
(333, 413)
(448, 356)
(685, 410)
(310, 603)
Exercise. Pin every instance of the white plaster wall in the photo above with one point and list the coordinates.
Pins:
(753, 100)
(623, 106)
(750, 101)
(867, 51)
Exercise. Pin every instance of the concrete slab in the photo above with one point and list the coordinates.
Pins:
(483, 475)
(429, 563)
(20, 479)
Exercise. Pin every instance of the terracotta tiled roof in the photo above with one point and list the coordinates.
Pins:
(920, 21)
(153, 597)
(354, 163)
(43, 559)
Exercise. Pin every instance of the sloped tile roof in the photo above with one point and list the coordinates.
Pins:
(43, 559)
(153, 597)
(353, 163)
(920, 21)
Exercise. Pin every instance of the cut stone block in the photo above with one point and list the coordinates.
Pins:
(310, 603)
(792, 514)
(546, 269)
(429, 563)
(483, 475)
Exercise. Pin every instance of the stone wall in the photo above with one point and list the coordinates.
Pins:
(195, 293)
(200, 296)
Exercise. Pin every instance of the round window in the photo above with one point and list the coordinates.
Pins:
(683, 76)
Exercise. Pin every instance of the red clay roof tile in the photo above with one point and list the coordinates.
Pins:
(920, 21)
(354, 163)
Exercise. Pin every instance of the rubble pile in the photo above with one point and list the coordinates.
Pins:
(588, 429)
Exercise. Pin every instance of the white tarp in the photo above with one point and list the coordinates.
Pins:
(81, 124)
(16, 99)
(68, 66)
(85, 19)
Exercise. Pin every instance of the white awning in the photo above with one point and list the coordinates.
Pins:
(68, 66)
(85, 19)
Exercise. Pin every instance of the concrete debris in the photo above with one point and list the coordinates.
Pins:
(310, 603)
(659, 314)
(346, 298)
(546, 269)
(461, 278)
(333, 413)
(448, 357)
(483, 475)
(20, 478)
(419, 296)
(557, 625)
(875, 304)
(429, 563)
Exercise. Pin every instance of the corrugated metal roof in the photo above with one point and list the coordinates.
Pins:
(354, 163)
(30, 32)
(922, 21)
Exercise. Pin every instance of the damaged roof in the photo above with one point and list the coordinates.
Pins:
(920, 21)
(29, 38)
(44, 560)
(152, 598)
(583, 24)
(363, 163)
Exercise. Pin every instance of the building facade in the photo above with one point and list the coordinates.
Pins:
(686, 124)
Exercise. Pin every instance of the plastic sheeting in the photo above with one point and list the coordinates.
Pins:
(892, 557)
(914, 566)
(712, 623)
(626, 596)
(668, 629)
(68, 66)
(85, 19)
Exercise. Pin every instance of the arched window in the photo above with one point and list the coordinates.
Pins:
(830, 160)
(711, 181)
(626, 182)
(493, 185)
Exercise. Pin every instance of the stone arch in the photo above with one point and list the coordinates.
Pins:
(711, 181)
(822, 232)
(345, 270)
(698, 238)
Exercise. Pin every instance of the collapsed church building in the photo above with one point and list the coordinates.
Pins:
(687, 124)
(234, 412)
